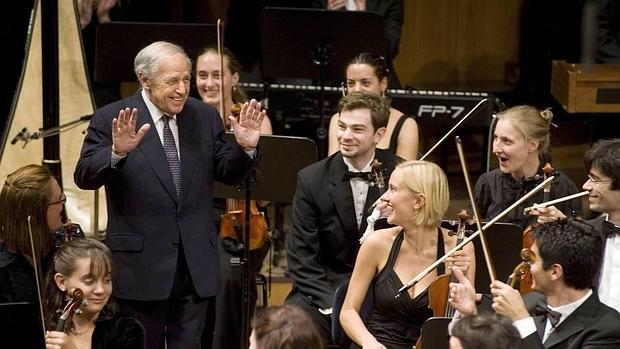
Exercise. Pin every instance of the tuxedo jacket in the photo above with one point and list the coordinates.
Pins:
(592, 325)
(147, 222)
(323, 241)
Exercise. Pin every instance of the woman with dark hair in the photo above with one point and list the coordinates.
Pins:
(369, 73)
(87, 264)
(284, 327)
(30, 194)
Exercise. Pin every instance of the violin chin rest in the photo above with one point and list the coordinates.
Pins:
(233, 246)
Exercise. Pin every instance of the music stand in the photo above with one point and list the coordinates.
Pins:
(21, 323)
(274, 179)
(505, 241)
(311, 43)
(114, 57)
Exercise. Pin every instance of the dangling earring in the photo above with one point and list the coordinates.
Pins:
(234, 88)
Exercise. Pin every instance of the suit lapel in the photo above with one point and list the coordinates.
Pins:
(575, 322)
(153, 150)
(341, 194)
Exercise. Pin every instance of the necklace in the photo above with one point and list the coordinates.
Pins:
(76, 333)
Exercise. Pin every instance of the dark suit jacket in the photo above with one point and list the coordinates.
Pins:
(393, 13)
(323, 242)
(145, 217)
(592, 325)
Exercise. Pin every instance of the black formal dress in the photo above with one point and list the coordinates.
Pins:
(323, 242)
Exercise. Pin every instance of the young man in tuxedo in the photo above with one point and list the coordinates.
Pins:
(331, 204)
(567, 256)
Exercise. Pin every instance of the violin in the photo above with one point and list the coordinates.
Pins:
(67, 232)
(233, 221)
(525, 285)
(376, 177)
(522, 269)
(439, 290)
(72, 308)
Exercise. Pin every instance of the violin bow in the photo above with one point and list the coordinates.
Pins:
(470, 113)
(220, 52)
(36, 274)
(425, 272)
(474, 208)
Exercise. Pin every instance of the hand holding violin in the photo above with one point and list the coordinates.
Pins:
(462, 294)
(459, 259)
(507, 301)
(58, 340)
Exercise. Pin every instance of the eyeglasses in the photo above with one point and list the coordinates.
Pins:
(62, 200)
(596, 181)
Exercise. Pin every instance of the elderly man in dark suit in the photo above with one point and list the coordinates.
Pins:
(567, 257)
(159, 188)
(331, 205)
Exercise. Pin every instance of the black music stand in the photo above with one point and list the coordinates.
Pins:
(21, 323)
(274, 179)
(505, 241)
(311, 43)
(117, 44)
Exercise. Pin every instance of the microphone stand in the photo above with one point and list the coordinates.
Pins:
(42, 133)
(246, 263)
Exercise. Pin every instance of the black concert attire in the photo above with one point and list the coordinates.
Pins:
(323, 241)
(397, 323)
(608, 45)
(496, 191)
(396, 132)
(17, 278)
(118, 332)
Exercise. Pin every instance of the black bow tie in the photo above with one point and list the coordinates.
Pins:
(543, 309)
(610, 229)
(362, 175)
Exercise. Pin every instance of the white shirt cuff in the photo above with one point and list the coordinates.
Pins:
(251, 153)
(525, 326)
(115, 158)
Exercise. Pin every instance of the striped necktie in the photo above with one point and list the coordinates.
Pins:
(172, 155)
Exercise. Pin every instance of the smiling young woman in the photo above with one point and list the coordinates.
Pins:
(87, 264)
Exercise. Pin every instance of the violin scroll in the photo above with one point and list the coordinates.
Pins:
(522, 269)
(72, 308)
(377, 175)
